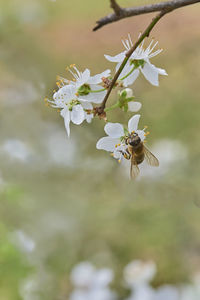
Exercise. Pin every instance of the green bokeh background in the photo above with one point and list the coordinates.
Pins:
(74, 201)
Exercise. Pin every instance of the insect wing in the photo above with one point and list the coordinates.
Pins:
(150, 158)
(134, 170)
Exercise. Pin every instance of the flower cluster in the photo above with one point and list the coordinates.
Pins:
(76, 99)
(92, 284)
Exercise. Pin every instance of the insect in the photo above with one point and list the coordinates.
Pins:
(137, 152)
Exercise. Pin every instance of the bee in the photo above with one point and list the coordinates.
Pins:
(137, 152)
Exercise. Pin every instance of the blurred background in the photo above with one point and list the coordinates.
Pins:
(61, 200)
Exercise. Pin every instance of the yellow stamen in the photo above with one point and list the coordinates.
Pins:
(133, 131)
(72, 65)
(119, 160)
(112, 154)
(145, 127)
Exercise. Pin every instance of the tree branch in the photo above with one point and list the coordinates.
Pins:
(164, 8)
(121, 13)
(128, 54)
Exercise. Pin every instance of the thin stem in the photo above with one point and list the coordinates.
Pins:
(129, 53)
(129, 73)
(97, 91)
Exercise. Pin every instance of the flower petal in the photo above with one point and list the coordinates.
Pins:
(141, 134)
(134, 106)
(127, 69)
(83, 78)
(117, 58)
(65, 113)
(151, 73)
(98, 78)
(114, 130)
(131, 78)
(133, 123)
(107, 143)
(77, 114)
(88, 116)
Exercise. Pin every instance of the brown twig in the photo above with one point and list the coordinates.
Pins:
(121, 13)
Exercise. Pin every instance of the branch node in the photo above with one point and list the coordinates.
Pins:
(115, 6)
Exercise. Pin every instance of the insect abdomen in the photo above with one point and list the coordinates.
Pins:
(138, 153)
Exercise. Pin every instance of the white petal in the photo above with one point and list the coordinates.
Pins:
(141, 134)
(129, 92)
(107, 143)
(131, 78)
(77, 114)
(117, 153)
(98, 78)
(83, 78)
(89, 117)
(151, 73)
(162, 71)
(133, 123)
(86, 105)
(65, 113)
(134, 106)
(114, 130)
(117, 58)
(66, 94)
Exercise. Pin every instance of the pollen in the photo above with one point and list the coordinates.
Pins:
(77, 94)
(145, 127)
(111, 154)
(58, 84)
(133, 131)
(119, 160)
(147, 133)
(72, 65)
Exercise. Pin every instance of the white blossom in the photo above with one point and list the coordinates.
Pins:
(115, 141)
(88, 88)
(139, 273)
(91, 283)
(71, 108)
(139, 61)
(133, 106)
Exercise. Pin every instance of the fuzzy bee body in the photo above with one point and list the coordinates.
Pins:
(137, 152)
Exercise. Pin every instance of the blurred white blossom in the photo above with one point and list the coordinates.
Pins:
(139, 273)
(91, 283)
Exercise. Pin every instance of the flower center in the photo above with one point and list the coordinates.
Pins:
(137, 62)
(72, 103)
(84, 90)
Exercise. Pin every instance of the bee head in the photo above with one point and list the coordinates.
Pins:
(134, 139)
